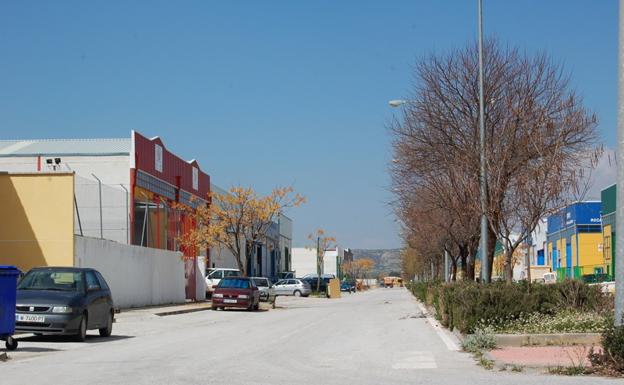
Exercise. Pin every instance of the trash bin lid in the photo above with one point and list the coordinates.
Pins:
(8, 269)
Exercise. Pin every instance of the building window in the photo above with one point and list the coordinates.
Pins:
(195, 178)
(150, 224)
(158, 157)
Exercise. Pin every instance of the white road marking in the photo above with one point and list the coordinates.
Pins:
(416, 360)
(439, 329)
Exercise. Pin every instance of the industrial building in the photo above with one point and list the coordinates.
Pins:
(607, 211)
(574, 241)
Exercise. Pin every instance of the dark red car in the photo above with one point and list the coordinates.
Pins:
(237, 292)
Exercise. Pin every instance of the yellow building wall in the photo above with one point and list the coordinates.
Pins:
(37, 220)
(606, 244)
(573, 248)
(561, 250)
(590, 255)
(550, 253)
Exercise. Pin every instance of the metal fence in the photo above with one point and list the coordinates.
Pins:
(102, 210)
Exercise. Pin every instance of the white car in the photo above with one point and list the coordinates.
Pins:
(293, 286)
(550, 278)
(215, 275)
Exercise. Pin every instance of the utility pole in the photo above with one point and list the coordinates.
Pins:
(483, 176)
(318, 263)
(446, 266)
(619, 216)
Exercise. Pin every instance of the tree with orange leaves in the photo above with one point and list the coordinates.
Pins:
(323, 243)
(237, 220)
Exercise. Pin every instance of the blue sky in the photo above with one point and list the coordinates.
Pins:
(274, 92)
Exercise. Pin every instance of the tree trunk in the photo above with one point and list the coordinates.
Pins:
(464, 263)
(453, 269)
(527, 261)
(470, 268)
(508, 266)
(490, 256)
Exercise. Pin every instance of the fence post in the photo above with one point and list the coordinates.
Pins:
(127, 215)
(100, 195)
(78, 214)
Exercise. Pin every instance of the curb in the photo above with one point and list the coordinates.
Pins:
(183, 311)
(556, 339)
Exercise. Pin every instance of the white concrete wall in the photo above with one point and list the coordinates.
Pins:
(303, 261)
(538, 236)
(138, 276)
(331, 259)
(200, 279)
(222, 258)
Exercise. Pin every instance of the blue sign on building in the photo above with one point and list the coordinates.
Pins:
(580, 213)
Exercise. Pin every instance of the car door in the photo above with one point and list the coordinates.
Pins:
(96, 301)
(291, 286)
(280, 287)
(214, 278)
(108, 295)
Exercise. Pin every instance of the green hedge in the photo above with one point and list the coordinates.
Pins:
(464, 305)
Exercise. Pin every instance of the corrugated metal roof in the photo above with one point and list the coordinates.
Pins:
(67, 147)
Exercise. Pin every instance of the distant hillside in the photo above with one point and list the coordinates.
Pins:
(386, 260)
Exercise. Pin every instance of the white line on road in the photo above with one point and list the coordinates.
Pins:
(448, 341)
(416, 360)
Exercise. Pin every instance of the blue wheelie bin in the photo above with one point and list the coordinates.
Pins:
(8, 293)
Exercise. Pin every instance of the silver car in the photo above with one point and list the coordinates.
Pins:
(264, 285)
(291, 286)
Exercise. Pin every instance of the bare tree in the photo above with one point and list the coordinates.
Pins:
(540, 138)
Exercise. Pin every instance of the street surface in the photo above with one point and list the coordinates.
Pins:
(377, 337)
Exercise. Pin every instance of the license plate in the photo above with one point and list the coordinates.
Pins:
(229, 301)
(29, 318)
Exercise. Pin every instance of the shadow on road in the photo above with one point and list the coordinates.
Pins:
(36, 350)
(91, 339)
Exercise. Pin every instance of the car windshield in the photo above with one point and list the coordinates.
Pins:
(234, 283)
(58, 280)
(261, 282)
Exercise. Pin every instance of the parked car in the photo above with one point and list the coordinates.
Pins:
(64, 300)
(285, 275)
(550, 278)
(263, 285)
(292, 286)
(240, 292)
(347, 286)
(313, 282)
(214, 276)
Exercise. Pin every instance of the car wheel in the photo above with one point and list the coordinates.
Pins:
(108, 330)
(81, 335)
(215, 308)
(297, 293)
(11, 343)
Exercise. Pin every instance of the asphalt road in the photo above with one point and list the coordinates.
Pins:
(378, 337)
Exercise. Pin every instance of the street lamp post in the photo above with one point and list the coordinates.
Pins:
(619, 216)
(483, 172)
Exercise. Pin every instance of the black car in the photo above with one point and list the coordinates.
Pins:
(313, 281)
(347, 285)
(64, 300)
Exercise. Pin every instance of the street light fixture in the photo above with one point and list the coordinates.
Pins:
(397, 102)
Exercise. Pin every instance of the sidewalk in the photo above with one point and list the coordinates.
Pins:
(542, 356)
(165, 310)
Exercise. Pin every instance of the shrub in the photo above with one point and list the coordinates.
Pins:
(610, 360)
(613, 345)
(566, 321)
(466, 305)
(479, 341)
